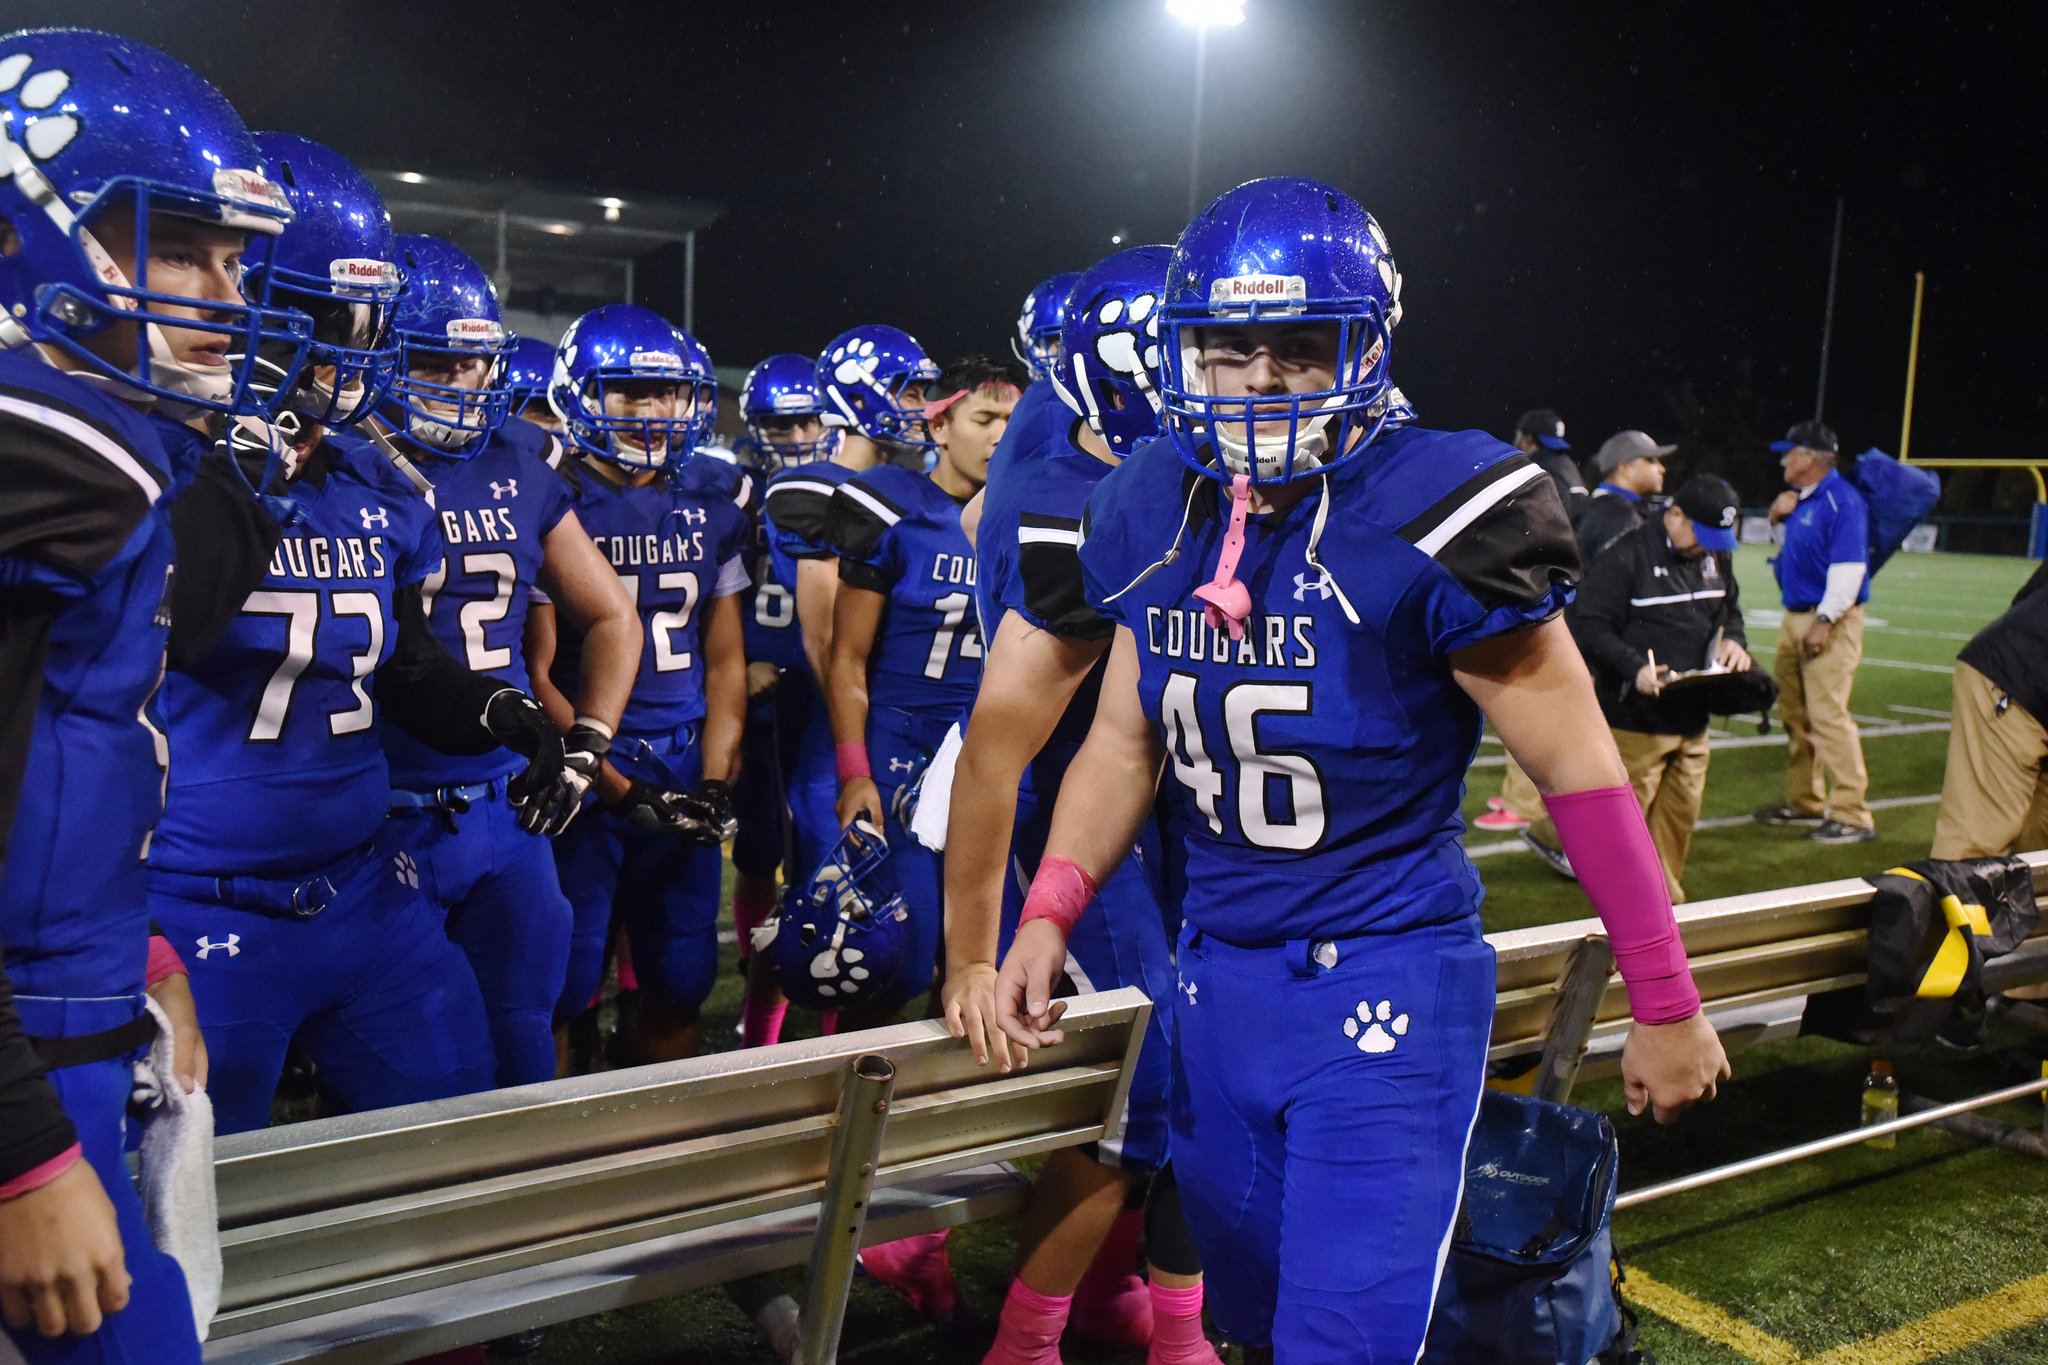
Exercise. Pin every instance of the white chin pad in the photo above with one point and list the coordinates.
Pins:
(1311, 442)
(210, 384)
(439, 435)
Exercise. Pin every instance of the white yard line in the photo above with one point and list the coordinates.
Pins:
(1765, 651)
(1777, 738)
(1719, 822)
(1920, 711)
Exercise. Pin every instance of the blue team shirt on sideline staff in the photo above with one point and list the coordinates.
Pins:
(1831, 525)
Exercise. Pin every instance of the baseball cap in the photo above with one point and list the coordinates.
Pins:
(1709, 504)
(1544, 427)
(1812, 435)
(1623, 446)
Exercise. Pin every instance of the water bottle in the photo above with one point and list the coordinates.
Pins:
(1880, 1102)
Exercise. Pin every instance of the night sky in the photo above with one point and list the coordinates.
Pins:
(1618, 211)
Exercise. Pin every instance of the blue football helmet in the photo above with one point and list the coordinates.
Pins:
(781, 389)
(1283, 250)
(527, 372)
(1107, 369)
(1040, 322)
(838, 939)
(864, 375)
(620, 344)
(338, 263)
(448, 314)
(92, 126)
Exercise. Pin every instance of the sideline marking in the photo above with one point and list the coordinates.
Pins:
(1703, 1319)
(1775, 739)
(1951, 1329)
(1718, 822)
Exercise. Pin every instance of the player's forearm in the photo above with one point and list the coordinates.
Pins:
(1534, 688)
(1104, 801)
(846, 692)
(979, 821)
(34, 1130)
(725, 716)
(540, 661)
(611, 662)
(817, 587)
(426, 692)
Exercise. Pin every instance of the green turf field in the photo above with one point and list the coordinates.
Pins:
(1935, 1251)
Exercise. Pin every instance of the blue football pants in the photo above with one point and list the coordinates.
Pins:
(1321, 1152)
(788, 790)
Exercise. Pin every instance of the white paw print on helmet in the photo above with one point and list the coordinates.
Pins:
(825, 970)
(854, 363)
(47, 135)
(1119, 350)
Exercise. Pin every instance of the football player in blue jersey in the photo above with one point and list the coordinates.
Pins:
(906, 644)
(1377, 590)
(636, 396)
(1039, 323)
(275, 868)
(129, 193)
(510, 531)
(527, 372)
(785, 794)
(1036, 699)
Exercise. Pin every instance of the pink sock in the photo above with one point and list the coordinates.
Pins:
(1177, 1328)
(761, 1019)
(1029, 1330)
(752, 905)
(828, 1023)
(629, 980)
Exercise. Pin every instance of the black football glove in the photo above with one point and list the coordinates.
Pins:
(711, 806)
(516, 721)
(659, 810)
(583, 752)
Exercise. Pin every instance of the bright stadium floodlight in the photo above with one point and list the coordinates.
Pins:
(412, 177)
(1207, 13)
(1116, 239)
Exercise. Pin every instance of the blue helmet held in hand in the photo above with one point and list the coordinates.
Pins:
(840, 936)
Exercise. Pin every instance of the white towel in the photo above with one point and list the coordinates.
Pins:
(935, 794)
(177, 1173)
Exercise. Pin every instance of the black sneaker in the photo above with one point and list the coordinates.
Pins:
(1835, 832)
(1786, 815)
(1551, 855)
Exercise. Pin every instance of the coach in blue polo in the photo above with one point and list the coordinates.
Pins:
(1823, 578)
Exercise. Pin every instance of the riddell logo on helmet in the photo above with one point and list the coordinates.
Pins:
(646, 360)
(230, 183)
(1238, 291)
(474, 331)
(369, 273)
(794, 402)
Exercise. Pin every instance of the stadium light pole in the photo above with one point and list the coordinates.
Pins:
(1204, 15)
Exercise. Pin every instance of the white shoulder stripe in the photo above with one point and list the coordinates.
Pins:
(1047, 535)
(1475, 507)
(89, 436)
(807, 485)
(1704, 594)
(868, 500)
(745, 494)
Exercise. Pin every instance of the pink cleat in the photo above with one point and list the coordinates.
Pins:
(917, 1271)
(1118, 1314)
(1501, 821)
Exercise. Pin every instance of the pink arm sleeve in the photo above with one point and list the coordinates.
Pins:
(1060, 892)
(1609, 846)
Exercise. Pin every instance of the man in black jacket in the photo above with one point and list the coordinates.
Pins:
(1631, 469)
(1661, 603)
(1994, 795)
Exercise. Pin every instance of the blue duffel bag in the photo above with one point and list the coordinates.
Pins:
(1531, 1276)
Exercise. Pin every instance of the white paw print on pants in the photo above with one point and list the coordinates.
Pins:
(1376, 1028)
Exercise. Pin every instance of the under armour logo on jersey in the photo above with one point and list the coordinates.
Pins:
(1187, 988)
(47, 133)
(502, 491)
(233, 947)
(408, 870)
(1659, 571)
(1375, 1027)
(1320, 585)
(694, 516)
(901, 765)
(379, 518)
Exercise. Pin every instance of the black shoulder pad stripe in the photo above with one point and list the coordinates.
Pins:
(75, 491)
(858, 522)
(1465, 502)
(1516, 550)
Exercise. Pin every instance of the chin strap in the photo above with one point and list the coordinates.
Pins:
(1228, 601)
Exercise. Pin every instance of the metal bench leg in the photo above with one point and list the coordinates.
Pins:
(843, 1205)
(1579, 990)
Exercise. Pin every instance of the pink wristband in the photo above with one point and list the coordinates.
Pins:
(853, 761)
(1060, 892)
(163, 961)
(1609, 846)
(35, 1177)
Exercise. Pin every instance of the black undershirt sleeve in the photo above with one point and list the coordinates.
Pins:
(33, 1125)
(426, 692)
(225, 539)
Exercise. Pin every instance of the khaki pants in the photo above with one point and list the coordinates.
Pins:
(1669, 774)
(1519, 794)
(1994, 795)
(1824, 773)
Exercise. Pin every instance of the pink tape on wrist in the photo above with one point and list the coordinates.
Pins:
(35, 1177)
(853, 760)
(163, 961)
(1609, 846)
(1060, 892)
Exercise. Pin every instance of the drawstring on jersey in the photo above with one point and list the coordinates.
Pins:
(1187, 514)
(1228, 601)
(1315, 535)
